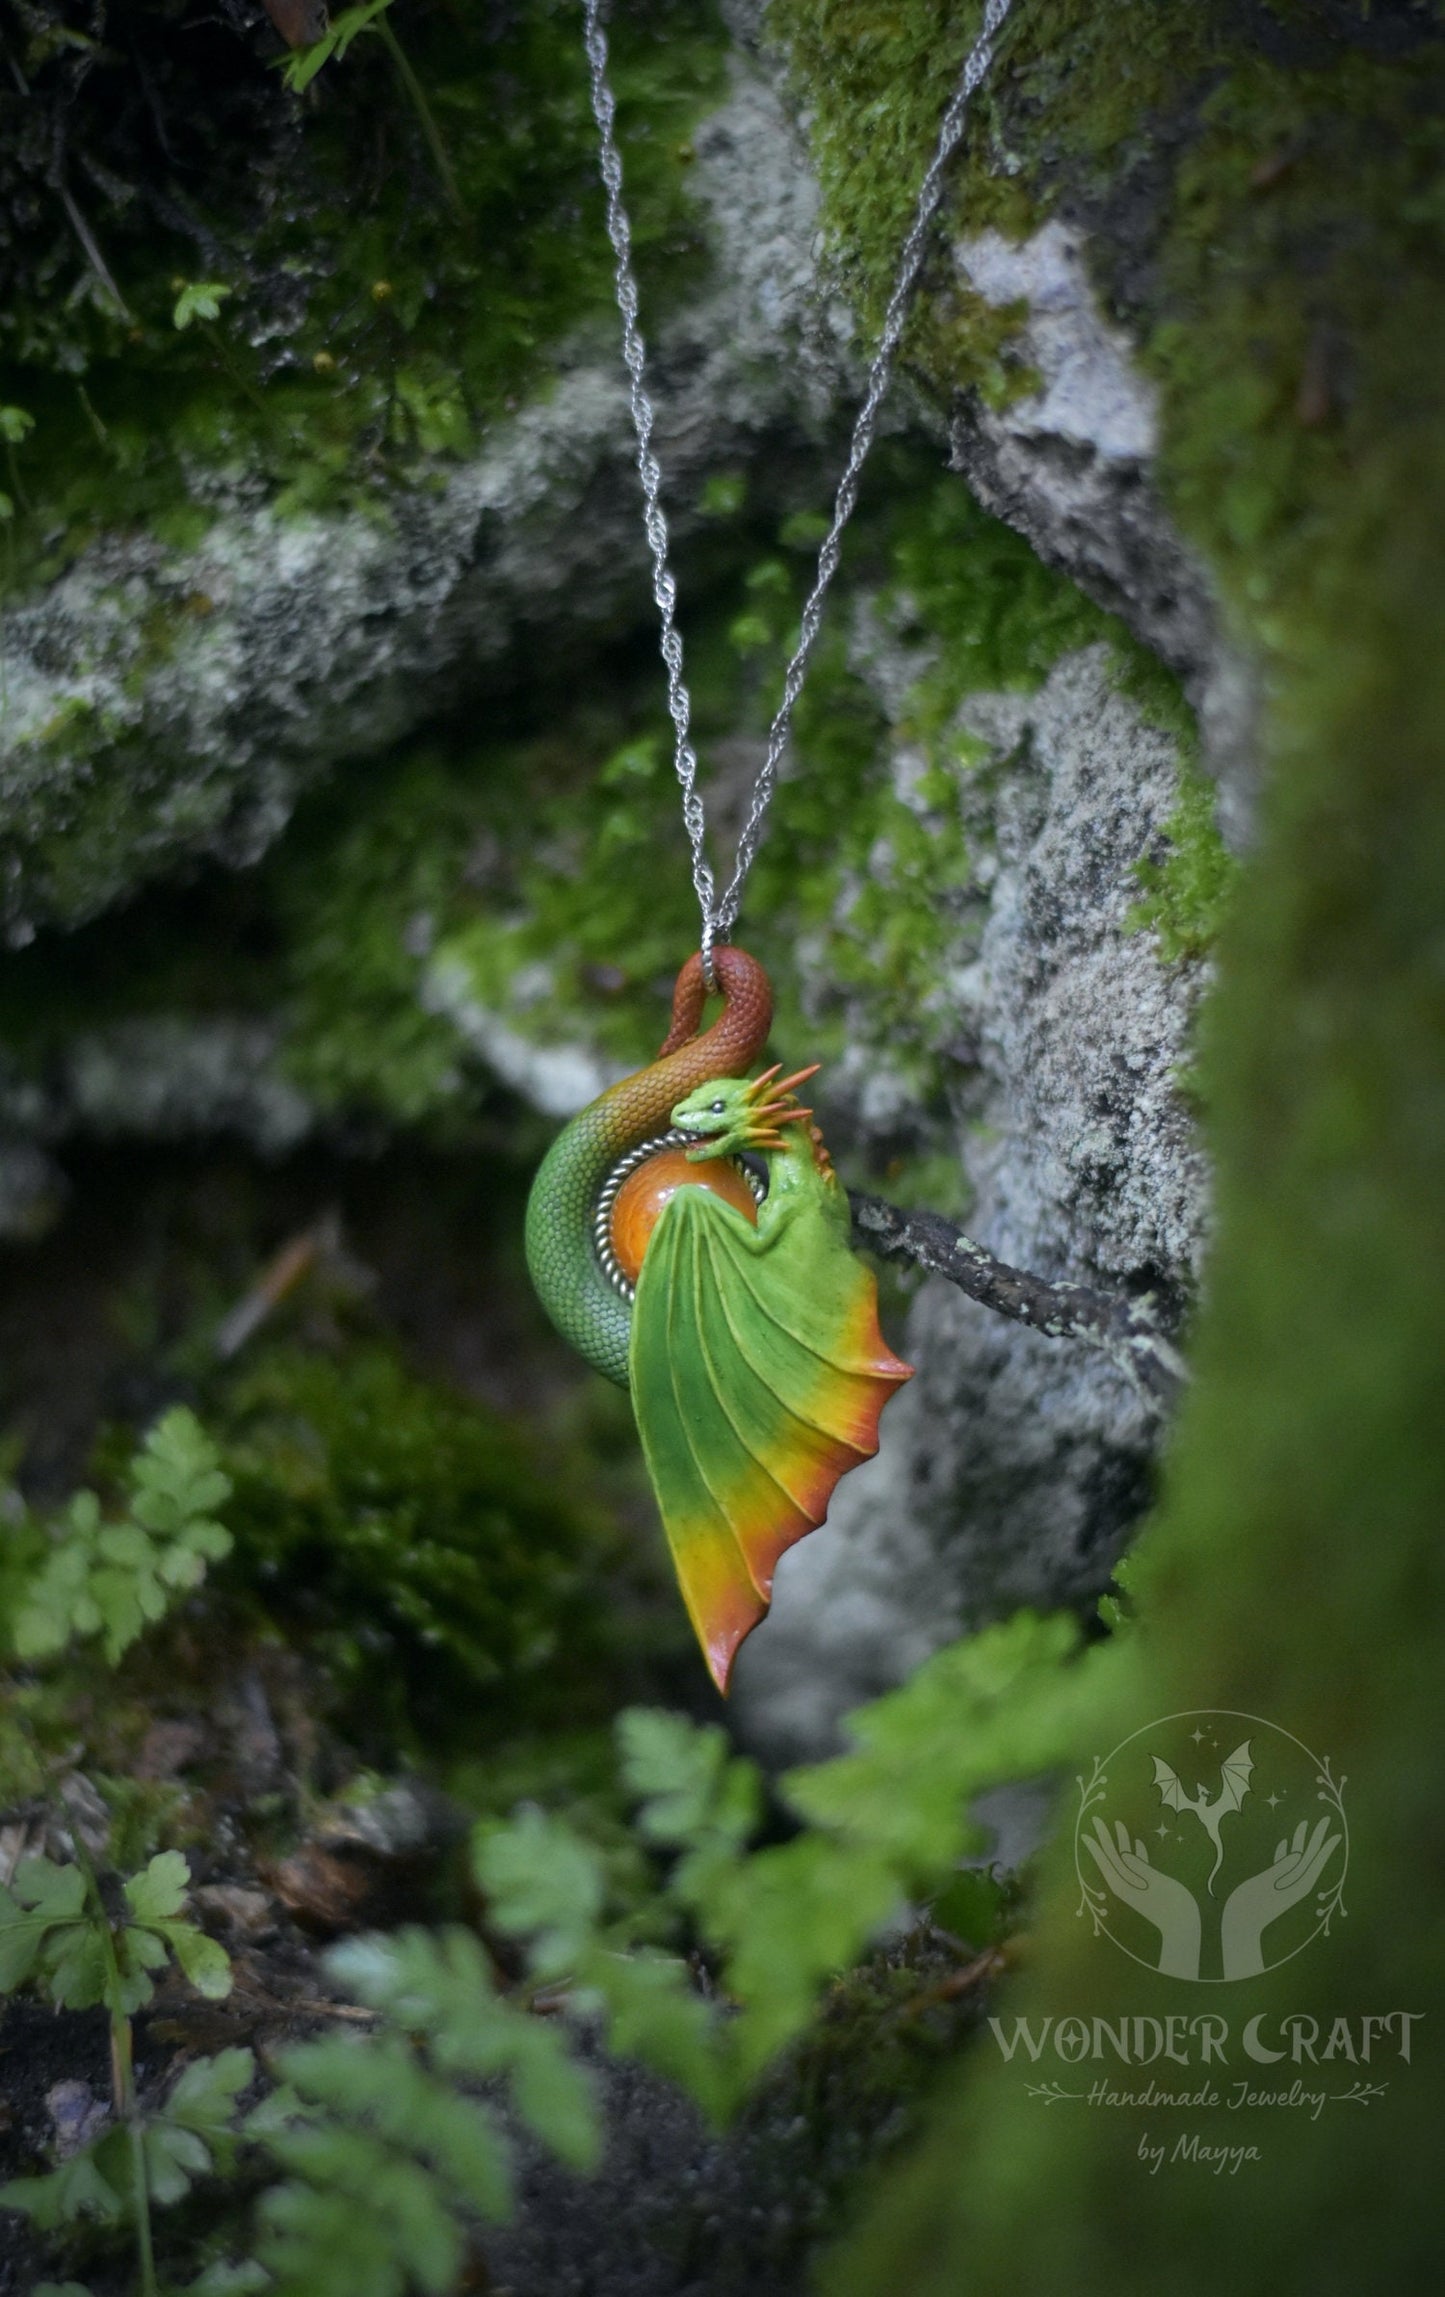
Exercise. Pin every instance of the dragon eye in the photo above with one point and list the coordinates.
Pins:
(718, 1108)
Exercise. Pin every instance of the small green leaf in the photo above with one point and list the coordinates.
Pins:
(15, 425)
(723, 494)
(125, 1543)
(209, 1539)
(115, 1596)
(20, 1942)
(44, 1908)
(79, 1972)
(204, 2099)
(159, 1893)
(694, 1792)
(656, 2014)
(556, 2099)
(83, 1514)
(199, 299)
(182, 1568)
(137, 1953)
(75, 2190)
(55, 1892)
(227, 2280)
(39, 1630)
(174, 2159)
(298, 71)
(541, 1879)
(206, 1964)
(275, 2113)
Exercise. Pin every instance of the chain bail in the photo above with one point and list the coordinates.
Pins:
(706, 953)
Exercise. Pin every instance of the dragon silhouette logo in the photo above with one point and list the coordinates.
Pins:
(1202, 1850)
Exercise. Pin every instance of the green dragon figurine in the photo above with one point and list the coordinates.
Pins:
(688, 1235)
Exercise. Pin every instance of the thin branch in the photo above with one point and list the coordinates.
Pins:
(93, 255)
(1124, 1328)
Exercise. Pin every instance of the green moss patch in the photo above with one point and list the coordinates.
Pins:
(1268, 217)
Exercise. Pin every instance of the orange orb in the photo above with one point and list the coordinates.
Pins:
(638, 1204)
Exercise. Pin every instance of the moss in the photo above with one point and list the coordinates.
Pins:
(876, 80)
(356, 903)
(1187, 893)
(1269, 218)
(1071, 80)
(369, 331)
(847, 2098)
(1189, 883)
(407, 1537)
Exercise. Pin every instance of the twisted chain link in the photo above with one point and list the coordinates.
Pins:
(720, 912)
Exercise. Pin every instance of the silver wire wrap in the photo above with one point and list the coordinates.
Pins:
(602, 1217)
(719, 914)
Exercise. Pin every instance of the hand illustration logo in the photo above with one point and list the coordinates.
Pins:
(1262, 1898)
(1170, 1906)
(1153, 1906)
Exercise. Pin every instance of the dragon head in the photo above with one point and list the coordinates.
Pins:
(730, 1115)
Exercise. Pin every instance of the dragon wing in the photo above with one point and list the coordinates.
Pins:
(1234, 1777)
(1171, 1790)
(758, 1374)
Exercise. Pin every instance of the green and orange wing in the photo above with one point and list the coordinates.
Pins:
(758, 1374)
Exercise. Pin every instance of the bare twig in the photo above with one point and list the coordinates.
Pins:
(1124, 1328)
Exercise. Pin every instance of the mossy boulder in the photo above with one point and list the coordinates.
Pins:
(260, 532)
(1260, 193)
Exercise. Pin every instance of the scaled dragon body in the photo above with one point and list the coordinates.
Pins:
(578, 1291)
(750, 1336)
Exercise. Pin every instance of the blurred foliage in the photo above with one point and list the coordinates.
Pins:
(385, 2155)
(884, 1825)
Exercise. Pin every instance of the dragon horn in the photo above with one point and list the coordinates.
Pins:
(760, 1084)
(799, 1077)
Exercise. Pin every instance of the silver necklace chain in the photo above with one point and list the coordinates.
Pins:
(720, 912)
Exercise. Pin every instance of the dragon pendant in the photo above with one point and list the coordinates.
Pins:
(688, 1235)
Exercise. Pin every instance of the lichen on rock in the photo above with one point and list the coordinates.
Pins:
(166, 701)
(1014, 1467)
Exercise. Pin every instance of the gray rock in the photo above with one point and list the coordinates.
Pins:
(290, 644)
(557, 1080)
(169, 1077)
(1069, 465)
(1013, 1466)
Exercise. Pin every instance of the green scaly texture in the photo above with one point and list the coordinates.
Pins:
(583, 1303)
